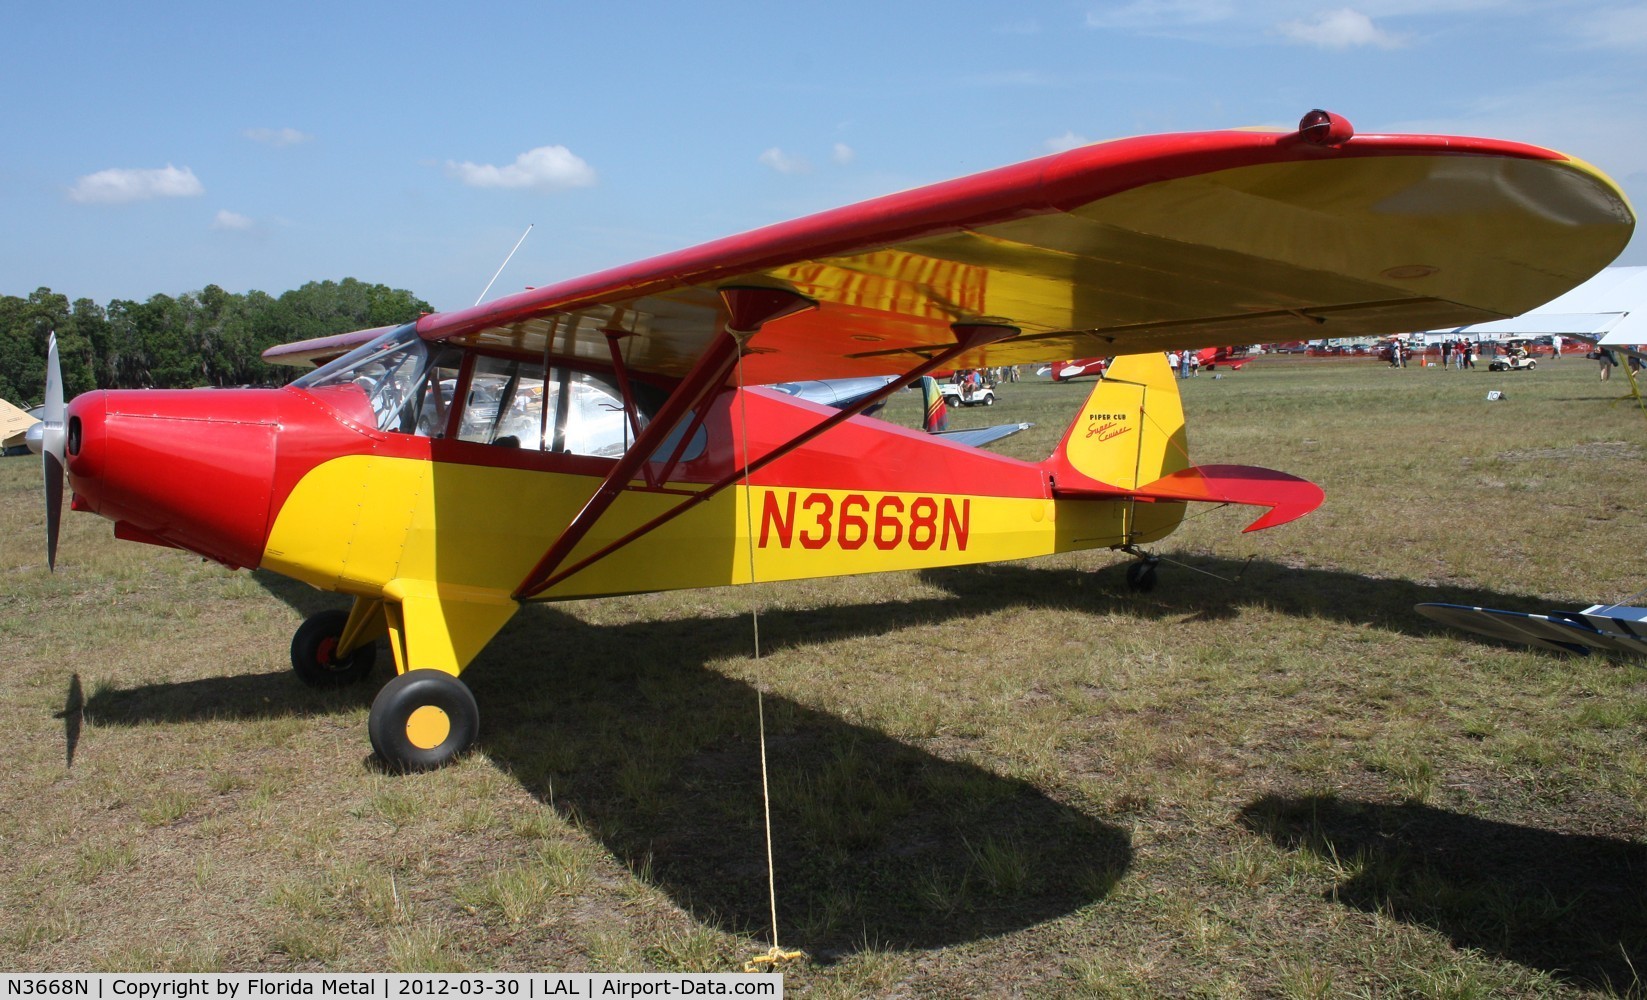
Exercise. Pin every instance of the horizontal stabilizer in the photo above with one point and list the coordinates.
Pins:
(1288, 497)
(14, 423)
(839, 393)
(980, 436)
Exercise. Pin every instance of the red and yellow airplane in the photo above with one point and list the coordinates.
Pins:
(608, 435)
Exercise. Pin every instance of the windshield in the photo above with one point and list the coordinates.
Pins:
(374, 382)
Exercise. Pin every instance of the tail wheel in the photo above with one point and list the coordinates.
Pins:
(314, 652)
(1141, 576)
(423, 719)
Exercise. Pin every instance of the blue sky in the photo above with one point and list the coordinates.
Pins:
(161, 148)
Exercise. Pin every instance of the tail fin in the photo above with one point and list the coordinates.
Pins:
(1131, 430)
(1128, 441)
(937, 411)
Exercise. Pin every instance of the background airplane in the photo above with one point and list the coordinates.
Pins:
(1209, 357)
(14, 428)
(1229, 357)
(1600, 628)
(1064, 371)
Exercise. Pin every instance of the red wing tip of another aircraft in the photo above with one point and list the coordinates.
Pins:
(321, 349)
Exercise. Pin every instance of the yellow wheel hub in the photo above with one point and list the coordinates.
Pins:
(428, 727)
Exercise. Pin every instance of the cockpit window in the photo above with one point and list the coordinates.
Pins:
(511, 403)
(595, 422)
(505, 404)
(434, 408)
(400, 383)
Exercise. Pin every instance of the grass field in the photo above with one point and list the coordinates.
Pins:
(1269, 777)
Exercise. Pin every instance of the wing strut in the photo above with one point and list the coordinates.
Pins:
(629, 411)
(748, 309)
(968, 337)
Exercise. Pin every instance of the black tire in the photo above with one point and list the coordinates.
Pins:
(314, 652)
(1531, 365)
(989, 400)
(1141, 577)
(421, 720)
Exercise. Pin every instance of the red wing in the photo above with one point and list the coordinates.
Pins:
(322, 349)
(1129, 246)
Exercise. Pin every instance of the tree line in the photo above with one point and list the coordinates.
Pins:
(209, 337)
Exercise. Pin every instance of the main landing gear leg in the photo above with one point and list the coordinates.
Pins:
(425, 718)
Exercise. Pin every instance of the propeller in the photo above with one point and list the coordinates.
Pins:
(52, 438)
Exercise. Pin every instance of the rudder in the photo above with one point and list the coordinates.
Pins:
(1130, 432)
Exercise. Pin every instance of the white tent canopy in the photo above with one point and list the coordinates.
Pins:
(1610, 308)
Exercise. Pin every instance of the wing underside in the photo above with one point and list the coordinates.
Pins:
(1122, 247)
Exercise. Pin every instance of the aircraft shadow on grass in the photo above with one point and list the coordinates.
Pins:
(625, 729)
(1572, 905)
(876, 843)
(1188, 591)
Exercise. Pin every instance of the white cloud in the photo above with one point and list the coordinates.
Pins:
(784, 163)
(231, 221)
(546, 167)
(1338, 29)
(117, 185)
(843, 154)
(1067, 141)
(278, 136)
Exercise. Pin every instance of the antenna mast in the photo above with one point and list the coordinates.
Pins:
(505, 263)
